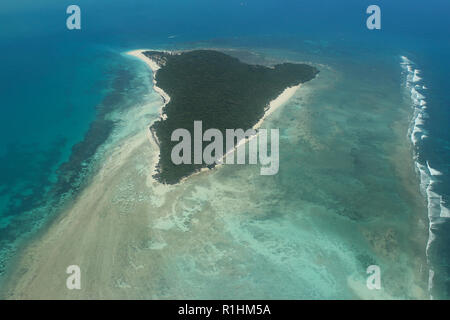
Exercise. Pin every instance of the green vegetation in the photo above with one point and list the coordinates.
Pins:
(217, 89)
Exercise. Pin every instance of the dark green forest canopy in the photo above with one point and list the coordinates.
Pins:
(221, 91)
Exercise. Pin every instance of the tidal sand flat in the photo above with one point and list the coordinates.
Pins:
(345, 197)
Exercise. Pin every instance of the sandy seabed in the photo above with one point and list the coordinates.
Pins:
(226, 233)
(121, 213)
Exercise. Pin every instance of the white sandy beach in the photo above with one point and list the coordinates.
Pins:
(154, 67)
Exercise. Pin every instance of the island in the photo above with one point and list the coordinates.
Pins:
(217, 89)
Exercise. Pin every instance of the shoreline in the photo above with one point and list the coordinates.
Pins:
(151, 136)
(154, 67)
(273, 105)
(279, 101)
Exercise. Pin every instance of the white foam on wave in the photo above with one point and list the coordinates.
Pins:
(420, 121)
(428, 175)
(405, 60)
(416, 96)
(433, 172)
(416, 78)
(417, 133)
(445, 212)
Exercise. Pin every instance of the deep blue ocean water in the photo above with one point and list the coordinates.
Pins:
(52, 80)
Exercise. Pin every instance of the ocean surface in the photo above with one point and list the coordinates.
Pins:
(357, 145)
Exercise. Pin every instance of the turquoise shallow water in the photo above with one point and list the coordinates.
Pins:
(42, 170)
(337, 205)
(339, 195)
